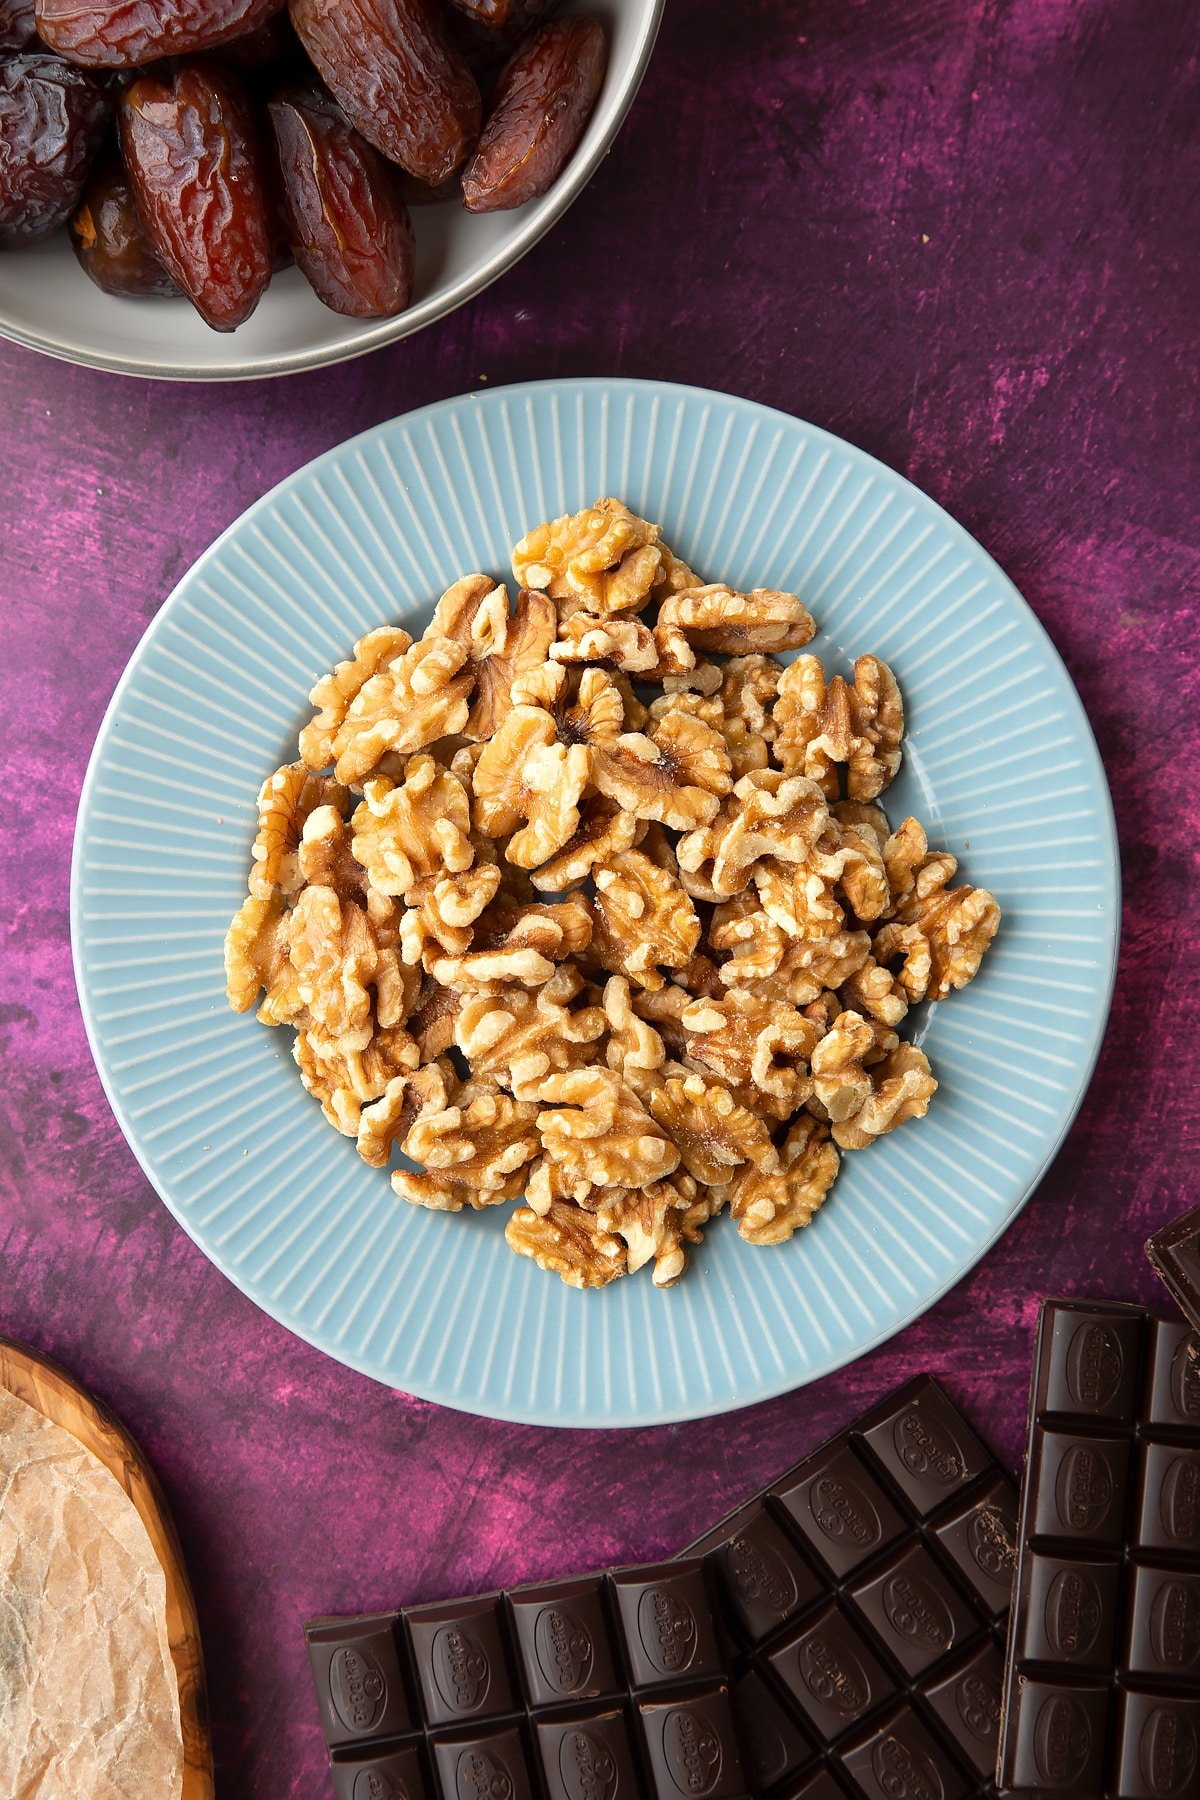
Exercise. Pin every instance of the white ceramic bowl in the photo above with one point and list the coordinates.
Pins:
(48, 303)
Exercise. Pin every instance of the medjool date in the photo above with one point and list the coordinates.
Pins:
(17, 26)
(350, 230)
(398, 78)
(542, 102)
(191, 148)
(110, 241)
(52, 118)
(121, 34)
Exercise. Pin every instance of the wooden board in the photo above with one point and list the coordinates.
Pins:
(58, 1397)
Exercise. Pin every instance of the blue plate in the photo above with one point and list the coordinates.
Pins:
(999, 764)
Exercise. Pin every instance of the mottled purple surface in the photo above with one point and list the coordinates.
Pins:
(962, 233)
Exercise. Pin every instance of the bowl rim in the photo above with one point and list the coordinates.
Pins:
(542, 216)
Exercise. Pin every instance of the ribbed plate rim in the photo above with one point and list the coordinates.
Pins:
(590, 1417)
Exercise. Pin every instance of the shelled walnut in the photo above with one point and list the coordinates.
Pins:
(585, 898)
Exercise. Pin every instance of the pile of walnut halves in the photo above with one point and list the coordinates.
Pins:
(586, 915)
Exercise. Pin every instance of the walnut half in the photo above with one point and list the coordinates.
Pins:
(596, 1127)
(658, 1224)
(475, 1152)
(568, 1242)
(601, 560)
(771, 1204)
(822, 725)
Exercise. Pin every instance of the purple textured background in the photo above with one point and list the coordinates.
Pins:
(962, 233)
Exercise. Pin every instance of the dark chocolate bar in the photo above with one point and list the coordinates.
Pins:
(867, 1592)
(1102, 1681)
(1174, 1254)
(604, 1687)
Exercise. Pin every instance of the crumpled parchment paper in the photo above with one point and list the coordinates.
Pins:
(89, 1707)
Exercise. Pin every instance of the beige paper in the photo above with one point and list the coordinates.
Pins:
(89, 1707)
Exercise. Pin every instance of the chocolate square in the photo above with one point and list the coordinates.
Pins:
(1089, 1368)
(1168, 1499)
(666, 1623)
(901, 1757)
(458, 1653)
(968, 1704)
(1058, 1739)
(563, 1642)
(763, 1578)
(381, 1774)
(1079, 1485)
(831, 1673)
(1172, 1400)
(915, 1611)
(359, 1676)
(483, 1765)
(587, 1756)
(1158, 1748)
(692, 1748)
(1174, 1253)
(981, 1541)
(1163, 1636)
(777, 1746)
(1069, 1612)
(840, 1510)
(928, 1450)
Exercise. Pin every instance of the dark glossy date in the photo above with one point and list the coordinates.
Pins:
(110, 241)
(350, 230)
(190, 145)
(52, 118)
(120, 34)
(17, 25)
(400, 81)
(542, 102)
